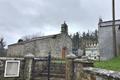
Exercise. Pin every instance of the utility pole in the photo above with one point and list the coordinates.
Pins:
(113, 29)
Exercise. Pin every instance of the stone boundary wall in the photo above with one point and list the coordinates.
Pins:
(2, 69)
(75, 69)
(27, 66)
(83, 69)
(10, 58)
(103, 73)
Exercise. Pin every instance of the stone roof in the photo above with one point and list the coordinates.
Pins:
(37, 38)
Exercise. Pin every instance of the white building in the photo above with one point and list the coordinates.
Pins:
(92, 52)
(105, 38)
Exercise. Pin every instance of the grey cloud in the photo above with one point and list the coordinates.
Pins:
(29, 16)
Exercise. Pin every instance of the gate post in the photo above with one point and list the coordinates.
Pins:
(80, 74)
(28, 66)
(70, 66)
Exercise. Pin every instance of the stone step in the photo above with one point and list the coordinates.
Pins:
(53, 75)
(56, 72)
(45, 78)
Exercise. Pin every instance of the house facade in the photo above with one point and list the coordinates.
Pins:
(105, 38)
(59, 45)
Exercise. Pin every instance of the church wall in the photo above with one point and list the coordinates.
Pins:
(41, 47)
(15, 50)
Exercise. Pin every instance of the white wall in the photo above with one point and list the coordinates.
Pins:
(106, 39)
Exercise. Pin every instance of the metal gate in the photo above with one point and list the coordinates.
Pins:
(48, 68)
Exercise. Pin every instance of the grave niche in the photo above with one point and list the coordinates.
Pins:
(12, 68)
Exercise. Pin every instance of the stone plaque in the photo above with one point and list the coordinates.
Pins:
(12, 68)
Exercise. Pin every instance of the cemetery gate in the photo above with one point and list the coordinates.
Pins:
(48, 68)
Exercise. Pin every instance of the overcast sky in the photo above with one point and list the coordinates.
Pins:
(25, 17)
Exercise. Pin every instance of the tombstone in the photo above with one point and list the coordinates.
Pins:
(80, 52)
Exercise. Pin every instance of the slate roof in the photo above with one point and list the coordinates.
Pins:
(36, 38)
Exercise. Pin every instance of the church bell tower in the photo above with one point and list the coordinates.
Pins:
(64, 28)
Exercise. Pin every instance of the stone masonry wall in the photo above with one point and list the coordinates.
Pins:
(41, 47)
(73, 69)
(2, 67)
(16, 50)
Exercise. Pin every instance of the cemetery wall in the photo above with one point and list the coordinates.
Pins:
(2, 70)
(75, 69)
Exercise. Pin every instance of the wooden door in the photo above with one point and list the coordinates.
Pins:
(64, 51)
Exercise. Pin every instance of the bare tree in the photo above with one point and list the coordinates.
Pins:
(2, 47)
(30, 37)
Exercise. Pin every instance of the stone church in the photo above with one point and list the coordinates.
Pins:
(105, 38)
(58, 44)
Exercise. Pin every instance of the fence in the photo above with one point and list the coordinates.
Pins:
(48, 68)
(42, 68)
(84, 70)
(2, 68)
(102, 74)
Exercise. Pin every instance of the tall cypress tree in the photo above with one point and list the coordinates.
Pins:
(2, 47)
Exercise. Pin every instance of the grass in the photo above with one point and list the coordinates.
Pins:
(58, 61)
(113, 64)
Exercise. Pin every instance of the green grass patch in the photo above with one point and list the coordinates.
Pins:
(113, 64)
(58, 61)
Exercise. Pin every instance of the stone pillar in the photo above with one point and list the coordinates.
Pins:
(28, 66)
(69, 66)
(80, 74)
